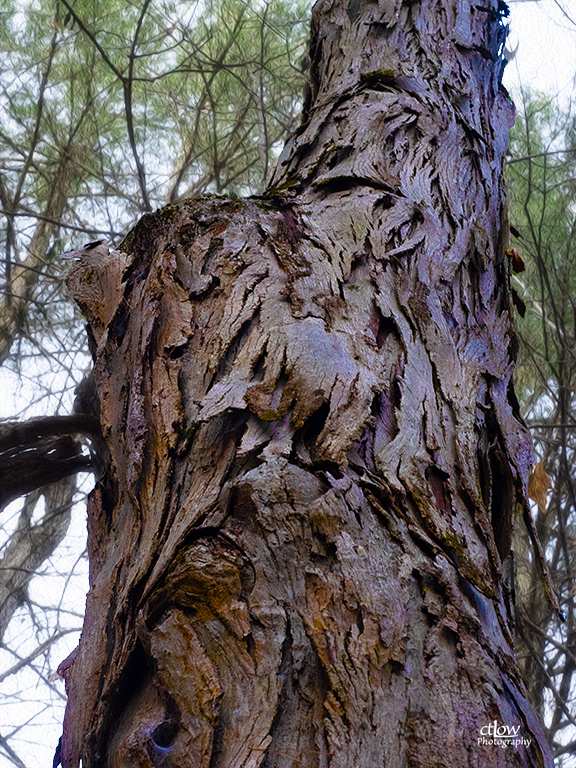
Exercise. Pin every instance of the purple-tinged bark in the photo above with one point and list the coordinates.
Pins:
(299, 552)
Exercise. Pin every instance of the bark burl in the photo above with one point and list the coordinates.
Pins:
(299, 551)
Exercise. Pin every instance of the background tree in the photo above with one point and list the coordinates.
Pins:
(299, 549)
(542, 173)
(108, 110)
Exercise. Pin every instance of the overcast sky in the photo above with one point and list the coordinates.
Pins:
(545, 32)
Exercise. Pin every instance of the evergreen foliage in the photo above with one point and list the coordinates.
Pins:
(542, 191)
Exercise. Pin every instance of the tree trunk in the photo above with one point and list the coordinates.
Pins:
(299, 551)
(30, 545)
(23, 277)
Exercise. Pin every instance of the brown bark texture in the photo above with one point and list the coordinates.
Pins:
(298, 553)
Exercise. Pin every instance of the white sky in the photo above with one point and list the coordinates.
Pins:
(546, 38)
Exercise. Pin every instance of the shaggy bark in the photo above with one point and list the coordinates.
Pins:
(299, 551)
